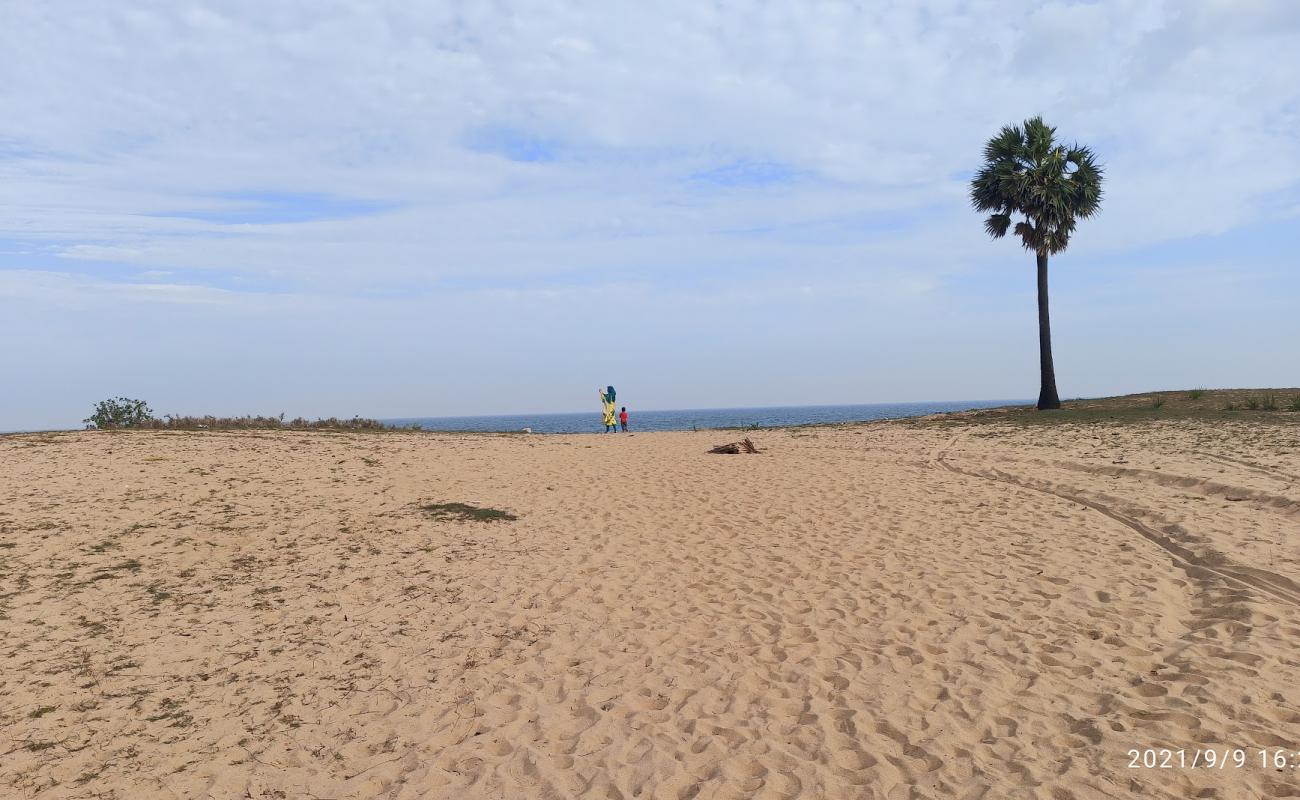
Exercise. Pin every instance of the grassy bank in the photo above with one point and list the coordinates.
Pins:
(1257, 405)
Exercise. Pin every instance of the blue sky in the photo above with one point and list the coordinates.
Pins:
(391, 209)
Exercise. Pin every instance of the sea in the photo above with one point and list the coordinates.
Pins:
(697, 418)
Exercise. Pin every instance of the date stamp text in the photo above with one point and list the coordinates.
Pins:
(1214, 758)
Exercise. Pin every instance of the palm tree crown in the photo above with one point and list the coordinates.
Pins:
(1026, 172)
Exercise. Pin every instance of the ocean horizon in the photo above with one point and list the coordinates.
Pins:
(697, 418)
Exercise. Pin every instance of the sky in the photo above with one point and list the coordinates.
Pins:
(396, 209)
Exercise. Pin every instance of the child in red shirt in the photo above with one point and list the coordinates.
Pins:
(622, 418)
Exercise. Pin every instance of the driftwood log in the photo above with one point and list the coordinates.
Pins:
(735, 448)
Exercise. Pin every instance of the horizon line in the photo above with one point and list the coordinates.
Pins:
(1010, 401)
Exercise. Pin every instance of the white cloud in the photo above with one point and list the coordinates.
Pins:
(113, 114)
(76, 291)
(127, 130)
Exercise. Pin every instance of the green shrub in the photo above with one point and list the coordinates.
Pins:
(1294, 404)
(1268, 401)
(1195, 394)
(120, 413)
(1157, 402)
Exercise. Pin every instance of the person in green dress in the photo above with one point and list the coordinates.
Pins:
(607, 403)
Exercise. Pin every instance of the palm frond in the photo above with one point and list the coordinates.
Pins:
(1009, 142)
(1087, 180)
(996, 225)
(1028, 235)
(986, 190)
(1038, 138)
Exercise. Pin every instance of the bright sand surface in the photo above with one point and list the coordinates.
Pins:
(887, 610)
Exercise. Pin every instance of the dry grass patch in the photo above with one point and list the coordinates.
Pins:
(464, 512)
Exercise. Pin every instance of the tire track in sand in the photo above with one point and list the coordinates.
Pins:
(1270, 472)
(1195, 565)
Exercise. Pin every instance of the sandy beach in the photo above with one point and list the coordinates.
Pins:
(894, 610)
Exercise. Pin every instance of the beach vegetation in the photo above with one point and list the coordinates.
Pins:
(194, 423)
(112, 571)
(90, 775)
(121, 412)
(93, 627)
(157, 593)
(1195, 394)
(1039, 189)
(464, 512)
(1215, 405)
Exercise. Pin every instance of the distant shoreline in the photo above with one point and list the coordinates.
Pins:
(1278, 404)
(754, 417)
(706, 418)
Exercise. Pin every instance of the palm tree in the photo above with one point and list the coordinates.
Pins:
(1027, 174)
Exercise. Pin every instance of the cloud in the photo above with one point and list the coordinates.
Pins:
(273, 208)
(744, 173)
(206, 152)
(125, 127)
(70, 290)
(512, 144)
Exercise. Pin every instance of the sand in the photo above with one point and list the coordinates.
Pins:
(875, 611)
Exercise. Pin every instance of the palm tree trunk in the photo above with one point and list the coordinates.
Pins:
(1047, 398)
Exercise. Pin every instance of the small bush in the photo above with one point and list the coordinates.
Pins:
(120, 413)
(1252, 403)
(1157, 402)
(1294, 405)
(1268, 401)
(1229, 406)
(1195, 394)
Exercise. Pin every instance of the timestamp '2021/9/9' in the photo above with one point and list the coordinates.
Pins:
(1214, 758)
